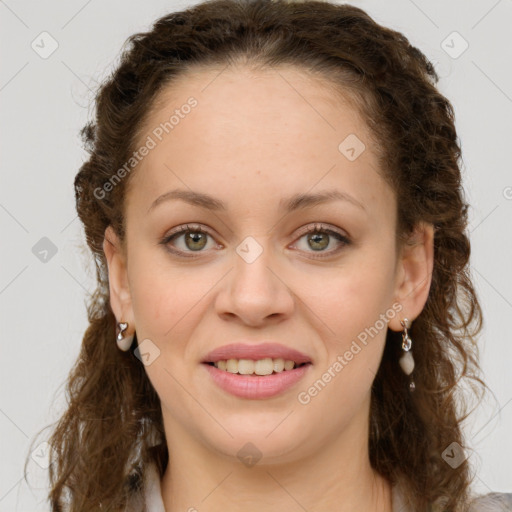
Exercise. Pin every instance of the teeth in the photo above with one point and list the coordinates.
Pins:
(279, 365)
(245, 366)
(288, 365)
(260, 367)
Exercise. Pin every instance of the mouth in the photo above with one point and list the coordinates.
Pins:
(256, 379)
(256, 368)
(256, 371)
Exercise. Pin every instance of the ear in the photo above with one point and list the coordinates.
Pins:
(414, 274)
(120, 297)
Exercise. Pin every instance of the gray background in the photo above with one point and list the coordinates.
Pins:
(44, 103)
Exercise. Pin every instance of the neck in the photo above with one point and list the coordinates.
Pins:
(337, 478)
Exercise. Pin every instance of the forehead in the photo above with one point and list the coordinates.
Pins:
(292, 88)
(271, 130)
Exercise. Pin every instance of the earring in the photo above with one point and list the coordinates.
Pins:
(406, 360)
(123, 342)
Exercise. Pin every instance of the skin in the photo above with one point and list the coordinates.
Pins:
(254, 139)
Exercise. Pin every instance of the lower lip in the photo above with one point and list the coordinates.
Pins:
(256, 386)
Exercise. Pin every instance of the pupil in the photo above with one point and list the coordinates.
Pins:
(195, 238)
(314, 239)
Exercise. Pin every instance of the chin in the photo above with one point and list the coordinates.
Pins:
(272, 442)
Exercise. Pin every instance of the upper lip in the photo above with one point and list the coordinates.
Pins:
(255, 352)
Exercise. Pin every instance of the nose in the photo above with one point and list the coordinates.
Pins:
(255, 290)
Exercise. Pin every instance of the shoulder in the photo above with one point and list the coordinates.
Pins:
(149, 497)
(492, 502)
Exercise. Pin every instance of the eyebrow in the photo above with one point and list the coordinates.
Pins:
(295, 202)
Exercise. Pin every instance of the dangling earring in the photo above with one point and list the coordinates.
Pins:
(406, 360)
(123, 342)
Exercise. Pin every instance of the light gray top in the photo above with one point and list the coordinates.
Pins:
(151, 498)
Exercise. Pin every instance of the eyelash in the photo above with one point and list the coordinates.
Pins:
(316, 229)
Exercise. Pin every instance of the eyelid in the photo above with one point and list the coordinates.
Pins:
(343, 238)
(320, 226)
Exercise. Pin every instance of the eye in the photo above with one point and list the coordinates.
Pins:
(195, 239)
(318, 238)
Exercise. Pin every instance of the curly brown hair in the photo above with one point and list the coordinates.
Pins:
(113, 410)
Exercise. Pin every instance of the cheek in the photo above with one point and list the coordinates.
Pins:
(353, 298)
(163, 307)
(167, 308)
(162, 294)
(353, 314)
(355, 311)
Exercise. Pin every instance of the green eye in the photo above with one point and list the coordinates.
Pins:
(195, 240)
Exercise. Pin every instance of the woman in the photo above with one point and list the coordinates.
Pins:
(275, 207)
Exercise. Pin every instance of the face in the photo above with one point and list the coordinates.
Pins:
(256, 271)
